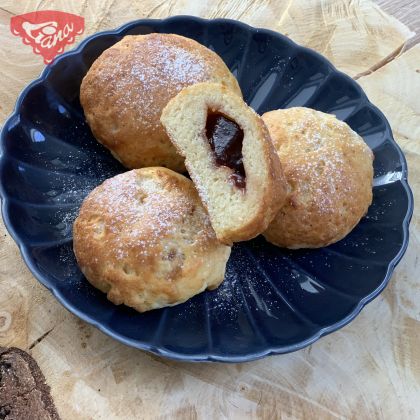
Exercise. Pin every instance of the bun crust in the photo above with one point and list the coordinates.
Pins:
(126, 88)
(144, 238)
(329, 169)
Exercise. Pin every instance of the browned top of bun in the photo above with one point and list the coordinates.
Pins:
(329, 170)
(127, 87)
(145, 239)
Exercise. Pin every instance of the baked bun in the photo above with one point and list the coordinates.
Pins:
(329, 169)
(144, 238)
(126, 88)
(230, 158)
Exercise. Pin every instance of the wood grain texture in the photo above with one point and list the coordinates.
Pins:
(407, 12)
(369, 369)
(354, 35)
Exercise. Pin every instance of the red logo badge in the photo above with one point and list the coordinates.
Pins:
(47, 31)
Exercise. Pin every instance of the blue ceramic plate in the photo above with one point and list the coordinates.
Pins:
(272, 300)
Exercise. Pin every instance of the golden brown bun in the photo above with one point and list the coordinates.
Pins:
(329, 169)
(127, 87)
(236, 214)
(144, 238)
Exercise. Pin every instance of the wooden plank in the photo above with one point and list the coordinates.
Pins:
(407, 12)
(398, 96)
(354, 36)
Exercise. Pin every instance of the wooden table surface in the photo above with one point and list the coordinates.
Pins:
(369, 369)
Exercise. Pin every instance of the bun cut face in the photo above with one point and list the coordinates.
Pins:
(230, 158)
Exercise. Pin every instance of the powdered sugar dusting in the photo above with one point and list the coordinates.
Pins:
(149, 73)
(244, 286)
(318, 156)
(71, 191)
(227, 297)
(169, 66)
(139, 212)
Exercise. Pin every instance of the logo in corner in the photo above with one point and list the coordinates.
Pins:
(47, 31)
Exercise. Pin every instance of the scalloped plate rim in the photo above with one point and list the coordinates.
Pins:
(205, 357)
